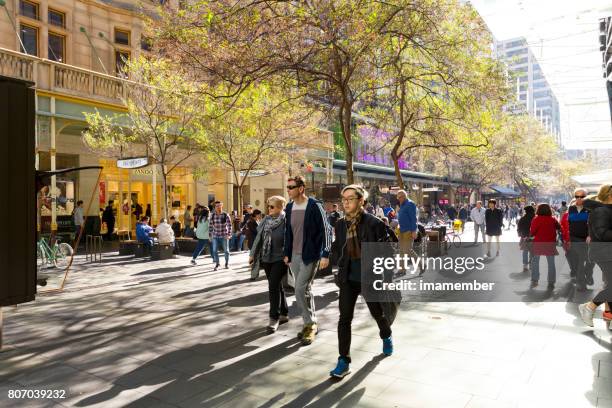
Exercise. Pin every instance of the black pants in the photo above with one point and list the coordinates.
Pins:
(278, 303)
(349, 291)
(605, 296)
(580, 266)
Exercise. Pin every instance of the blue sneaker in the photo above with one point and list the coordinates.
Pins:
(341, 370)
(387, 346)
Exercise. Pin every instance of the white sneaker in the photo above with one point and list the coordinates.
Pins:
(272, 326)
(586, 314)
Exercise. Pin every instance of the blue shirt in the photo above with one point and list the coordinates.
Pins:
(142, 232)
(407, 216)
(387, 210)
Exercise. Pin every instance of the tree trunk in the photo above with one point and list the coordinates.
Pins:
(345, 120)
(398, 174)
(239, 196)
(165, 192)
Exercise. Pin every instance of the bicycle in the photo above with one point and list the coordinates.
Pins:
(57, 255)
(454, 235)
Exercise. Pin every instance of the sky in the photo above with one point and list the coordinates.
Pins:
(564, 37)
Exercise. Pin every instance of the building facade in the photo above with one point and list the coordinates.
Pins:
(533, 91)
(605, 46)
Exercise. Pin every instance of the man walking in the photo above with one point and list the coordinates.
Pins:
(221, 231)
(407, 217)
(478, 216)
(308, 241)
(578, 220)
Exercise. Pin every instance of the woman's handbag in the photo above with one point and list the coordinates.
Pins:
(526, 243)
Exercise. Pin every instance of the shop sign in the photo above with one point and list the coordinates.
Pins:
(432, 189)
(144, 172)
(133, 163)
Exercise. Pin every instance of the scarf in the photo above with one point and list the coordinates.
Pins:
(352, 240)
(270, 224)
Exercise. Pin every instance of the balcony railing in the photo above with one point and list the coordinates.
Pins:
(61, 78)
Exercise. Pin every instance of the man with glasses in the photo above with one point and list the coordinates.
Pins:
(221, 231)
(308, 241)
(577, 252)
(407, 217)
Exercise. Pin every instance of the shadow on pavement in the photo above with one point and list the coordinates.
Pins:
(341, 394)
(208, 385)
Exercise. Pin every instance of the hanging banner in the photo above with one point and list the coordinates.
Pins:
(133, 162)
(102, 193)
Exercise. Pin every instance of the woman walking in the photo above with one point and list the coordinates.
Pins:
(202, 234)
(544, 229)
(494, 222)
(355, 228)
(268, 248)
(522, 227)
(600, 250)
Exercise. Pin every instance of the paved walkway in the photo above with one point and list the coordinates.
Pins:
(168, 334)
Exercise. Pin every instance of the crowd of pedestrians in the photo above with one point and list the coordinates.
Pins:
(292, 240)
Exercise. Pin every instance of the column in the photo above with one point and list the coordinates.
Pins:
(52, 153)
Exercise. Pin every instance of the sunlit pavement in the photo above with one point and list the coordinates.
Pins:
(163, 334)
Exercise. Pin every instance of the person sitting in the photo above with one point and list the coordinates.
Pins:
(390, 231)
(176, 226)
(142, 232)
(165, 234)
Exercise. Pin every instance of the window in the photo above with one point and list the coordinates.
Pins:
(57, 45)
(146, 43)
(57, 18)
(122, 37)
(121, 58)
(29, 40)
(28, 9)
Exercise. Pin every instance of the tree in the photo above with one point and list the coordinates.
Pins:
(327, 48)
(161, 120)
(561, 181)
(259, 130)
(529, 154)
(443, 90)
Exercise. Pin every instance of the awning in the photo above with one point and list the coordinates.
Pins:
(505, 191)
(592, 181)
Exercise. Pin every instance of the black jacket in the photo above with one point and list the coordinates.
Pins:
(600, 231)
(523, 225)
(494, 221)
(371, 229)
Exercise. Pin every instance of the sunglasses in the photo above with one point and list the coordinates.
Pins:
(577, 197)
(271, 207)
(292, 187)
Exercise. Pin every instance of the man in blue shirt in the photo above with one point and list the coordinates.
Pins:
(142, 232)
(407, 217)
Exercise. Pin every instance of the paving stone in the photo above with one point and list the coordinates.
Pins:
(159, 334)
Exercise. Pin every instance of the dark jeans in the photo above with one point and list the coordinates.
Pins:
(201, 244)
(578, 257)
(349, 291)
(605, 296)
(278, 303)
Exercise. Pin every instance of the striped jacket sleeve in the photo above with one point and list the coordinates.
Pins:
(327, 232)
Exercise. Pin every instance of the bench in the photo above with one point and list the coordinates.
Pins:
(141, 250)
(187, 245)
(127, 246)
(162, 251)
